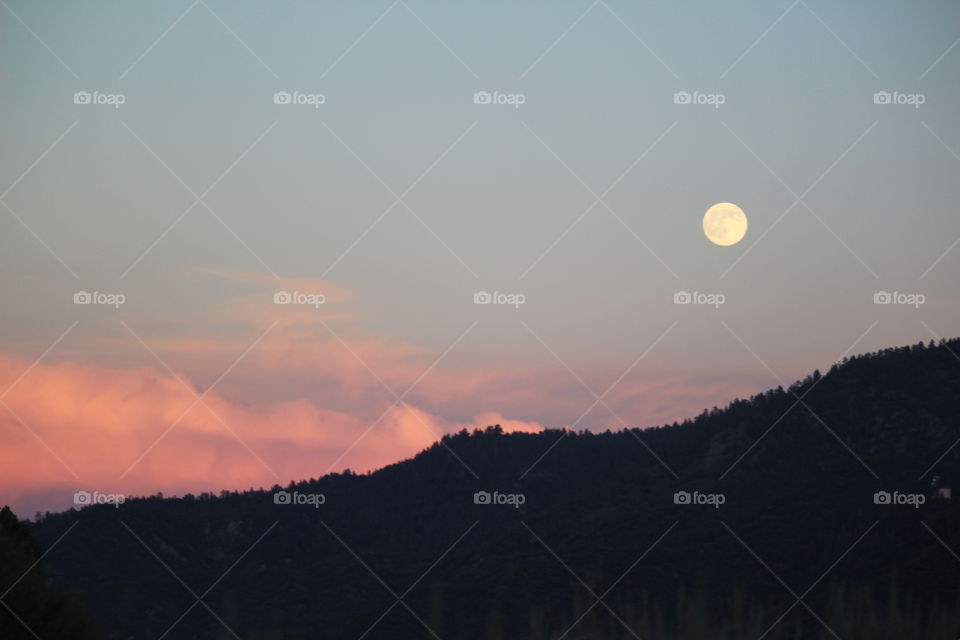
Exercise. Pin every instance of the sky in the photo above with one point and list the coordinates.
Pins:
(169, 172)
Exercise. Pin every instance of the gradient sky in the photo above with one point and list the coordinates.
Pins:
(845, 198)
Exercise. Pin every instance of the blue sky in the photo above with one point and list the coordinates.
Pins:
(399, 198)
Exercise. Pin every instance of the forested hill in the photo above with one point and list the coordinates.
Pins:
(822, 491)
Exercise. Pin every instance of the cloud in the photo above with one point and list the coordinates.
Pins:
(509, 426)
(289, 392)
(141, 430)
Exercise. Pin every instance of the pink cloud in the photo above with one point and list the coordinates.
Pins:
(509, 426)
(315, 394)
(95, 422)
(138, 431)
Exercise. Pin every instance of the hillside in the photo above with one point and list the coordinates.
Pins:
(787, 481)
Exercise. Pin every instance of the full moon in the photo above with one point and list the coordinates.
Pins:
(725, 224)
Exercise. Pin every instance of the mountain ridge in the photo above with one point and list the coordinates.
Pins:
(798, 480)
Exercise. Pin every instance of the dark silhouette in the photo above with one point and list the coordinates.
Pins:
(30, 606)
(800, 512)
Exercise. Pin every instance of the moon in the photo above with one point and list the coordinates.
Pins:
(724, 224)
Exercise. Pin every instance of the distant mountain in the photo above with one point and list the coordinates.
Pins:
(712, 528)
